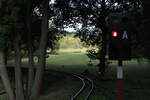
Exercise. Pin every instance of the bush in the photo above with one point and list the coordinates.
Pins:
(92, 54)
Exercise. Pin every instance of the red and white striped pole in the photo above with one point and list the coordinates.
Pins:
(120, 85)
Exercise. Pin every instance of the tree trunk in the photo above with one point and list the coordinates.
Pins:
(30, 49)
(102, 65)
(5, 55)
(42, 51)
(146, 6)
(5, 78)
(18, 75)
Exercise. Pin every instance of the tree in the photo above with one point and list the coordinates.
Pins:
(54, 35)
(42, 51)
(3, 70)
(29, 11)
(18, 74)
(25, 10)
(4, 31)
(92, 15)
(146, 6)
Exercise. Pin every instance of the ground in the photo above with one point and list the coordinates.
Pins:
(136, 78)
(58, 85)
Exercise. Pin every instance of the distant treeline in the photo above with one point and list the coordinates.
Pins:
(69, 41)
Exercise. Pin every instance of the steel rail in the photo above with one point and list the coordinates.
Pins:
(84, 78)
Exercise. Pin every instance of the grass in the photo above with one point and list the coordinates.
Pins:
(70, 61)
(61, 86)
(137, 82)
(136, 78)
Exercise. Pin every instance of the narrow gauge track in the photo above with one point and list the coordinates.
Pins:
(87, 87)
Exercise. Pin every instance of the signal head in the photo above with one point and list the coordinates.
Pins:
(114, 33)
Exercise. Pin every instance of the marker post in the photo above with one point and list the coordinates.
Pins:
(120, 81)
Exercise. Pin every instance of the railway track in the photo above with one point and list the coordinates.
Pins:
(86, 89)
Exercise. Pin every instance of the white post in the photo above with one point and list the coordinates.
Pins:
(120, 85)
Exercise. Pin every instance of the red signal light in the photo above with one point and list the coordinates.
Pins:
(114, 33)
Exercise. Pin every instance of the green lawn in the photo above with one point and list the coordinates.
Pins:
(70, 61)
(61, 86)
(137, 78)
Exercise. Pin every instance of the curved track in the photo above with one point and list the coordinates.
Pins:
(87, 87)
(85, 90)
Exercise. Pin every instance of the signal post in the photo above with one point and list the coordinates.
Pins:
(119, 49)
(120, 82)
